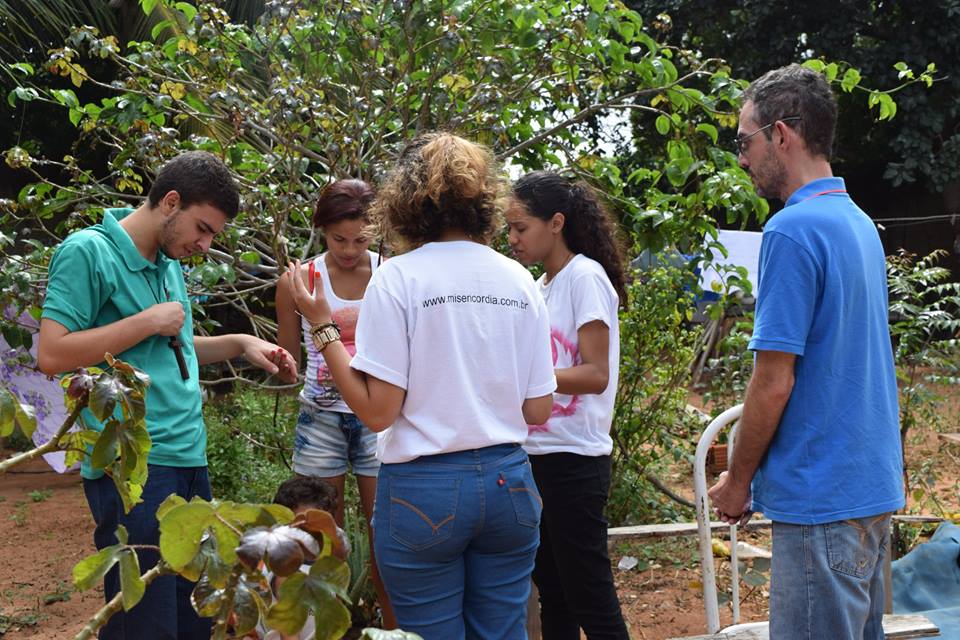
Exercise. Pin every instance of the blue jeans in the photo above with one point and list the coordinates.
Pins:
(827, 580)
(165, 611)
(456, 535)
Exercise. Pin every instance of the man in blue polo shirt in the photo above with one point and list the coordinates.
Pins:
(118, 287)
(819, 439)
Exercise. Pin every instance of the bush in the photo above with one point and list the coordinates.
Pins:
(651, 427)
(241, 469)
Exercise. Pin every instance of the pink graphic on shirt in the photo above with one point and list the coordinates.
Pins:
(566, 354)
(346, 319)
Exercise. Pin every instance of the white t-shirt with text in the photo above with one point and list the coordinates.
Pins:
(465, 332)
(580, 293)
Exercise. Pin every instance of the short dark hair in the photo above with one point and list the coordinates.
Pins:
(200, 178)
(307, 491)
(342, 200)
(796, 90)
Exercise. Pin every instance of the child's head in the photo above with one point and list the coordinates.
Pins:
(341, 215)
(441, 183)
(307, 492)
(547, 208)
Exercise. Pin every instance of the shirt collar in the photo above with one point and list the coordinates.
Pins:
(815, 187)
(124, 243)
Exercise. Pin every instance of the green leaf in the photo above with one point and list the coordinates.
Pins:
(171, 501)
(148, 6)
(27, 94)
(90, 571)
(23, 67)
(322, 590)
(26, 418)
(105, 450)
(761, 564)
(888, 108)
(104, 396)
(598, 5)
(289, 613)
(851, 78)
(181, 530)
(189, 11)
(708, 129)
(331, 574)
(131, 584)
(7, 413)
(75, 116)
(831, 71)
(66, 97)
(250, 257)
(662, 124)
(755, 578)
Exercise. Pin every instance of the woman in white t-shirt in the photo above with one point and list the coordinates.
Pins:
(453, 355)
(328, 435)
(562, 224)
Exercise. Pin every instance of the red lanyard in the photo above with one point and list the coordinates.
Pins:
(823, 193)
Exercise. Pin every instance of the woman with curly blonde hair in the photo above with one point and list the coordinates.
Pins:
(453, 353)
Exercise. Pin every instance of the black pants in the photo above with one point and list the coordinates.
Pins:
(573, 567)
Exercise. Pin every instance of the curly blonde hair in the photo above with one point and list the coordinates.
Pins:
(441, 182)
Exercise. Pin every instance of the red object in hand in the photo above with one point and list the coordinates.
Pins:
(312, 275)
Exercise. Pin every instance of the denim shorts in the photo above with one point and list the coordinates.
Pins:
(326, 441)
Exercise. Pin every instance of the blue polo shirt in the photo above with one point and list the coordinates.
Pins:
(823, 296)
(97, 277)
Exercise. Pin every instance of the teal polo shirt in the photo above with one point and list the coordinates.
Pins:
(98, 277)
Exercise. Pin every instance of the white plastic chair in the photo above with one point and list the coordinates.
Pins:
(710, 602)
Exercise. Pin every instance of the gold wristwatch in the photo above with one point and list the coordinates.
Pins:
(324, 334)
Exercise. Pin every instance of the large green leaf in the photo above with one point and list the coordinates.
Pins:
(322, 591)
(181, 530)
(105, 450)
(14, 413)
(131, 584)
(90, 571)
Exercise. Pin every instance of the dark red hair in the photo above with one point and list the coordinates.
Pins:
(342, 200)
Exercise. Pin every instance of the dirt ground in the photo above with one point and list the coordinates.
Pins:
(45, 528)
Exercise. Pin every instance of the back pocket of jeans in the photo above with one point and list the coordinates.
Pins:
(423, 509)
(524, 495)
(852, 547)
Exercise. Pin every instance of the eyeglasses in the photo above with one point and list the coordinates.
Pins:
(742, 142)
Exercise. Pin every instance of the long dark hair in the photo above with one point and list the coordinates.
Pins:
(588, 227)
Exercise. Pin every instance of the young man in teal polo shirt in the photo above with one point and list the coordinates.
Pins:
(118, 287)
(819, 443)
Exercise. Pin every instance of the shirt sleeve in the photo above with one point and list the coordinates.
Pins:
(383, 346)
(74, 289)
(591, 297)
(790, 284)
(542, 379)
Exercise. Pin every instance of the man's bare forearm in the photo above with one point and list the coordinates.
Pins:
(59, 350)
(767, 396)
